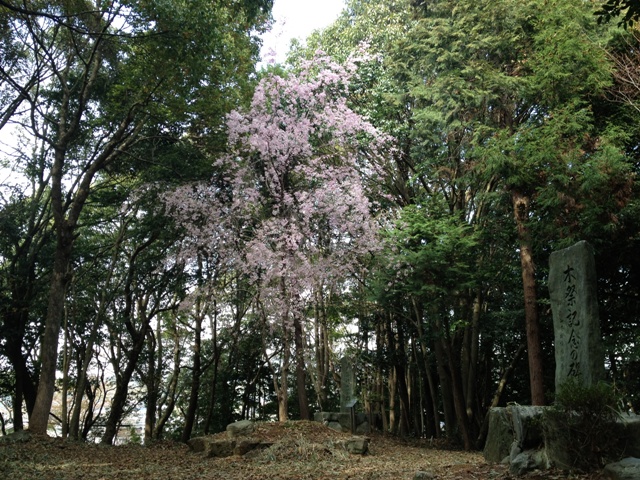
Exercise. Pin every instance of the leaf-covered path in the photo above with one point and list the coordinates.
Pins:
(301, 450)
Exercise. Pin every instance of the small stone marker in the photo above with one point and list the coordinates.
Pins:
(576, 323)
(240, 428)
(347, 384)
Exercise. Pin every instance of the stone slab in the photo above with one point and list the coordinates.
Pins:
(347, 384)
(499, 436)
(632, 433)
(526, 421)
(579, 351)
(625, 469)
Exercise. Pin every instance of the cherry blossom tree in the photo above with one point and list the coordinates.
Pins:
(290, 208)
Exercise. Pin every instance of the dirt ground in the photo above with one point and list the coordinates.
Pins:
(300, 450)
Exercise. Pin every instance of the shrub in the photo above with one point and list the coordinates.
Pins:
(583, 423)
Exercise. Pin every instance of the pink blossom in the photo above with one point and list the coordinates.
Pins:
(296, 215)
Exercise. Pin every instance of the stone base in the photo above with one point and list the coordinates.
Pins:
(516, 437)
(626, 469)
(632, 430)
(342, 422)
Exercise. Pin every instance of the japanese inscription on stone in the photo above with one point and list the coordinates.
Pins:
(576, 324)
(572, 320)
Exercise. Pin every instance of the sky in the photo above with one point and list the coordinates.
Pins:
(297, 19)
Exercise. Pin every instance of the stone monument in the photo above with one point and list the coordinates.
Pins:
(576, 323)
(347, 385)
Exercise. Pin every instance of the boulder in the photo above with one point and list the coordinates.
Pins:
(335, 426)
(527, 461)
(245, 446)
(198, 444)
(424, 475)
(357, 445)
(213, 447)
(500, 436)
(21, 436)
(526, 421)
(515, 450)
(363, 428)
(219, 448)
(242, 428)
(631, 425)
(625, 469)
(326, 417)
(362, 418)
(345, 421)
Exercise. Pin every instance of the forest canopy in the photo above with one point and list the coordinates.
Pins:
(187, 240)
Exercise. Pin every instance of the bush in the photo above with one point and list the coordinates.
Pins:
(583, 423)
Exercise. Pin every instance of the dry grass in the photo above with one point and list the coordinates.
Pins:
(300, 450)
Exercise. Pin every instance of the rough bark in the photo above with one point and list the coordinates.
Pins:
(444, 375)
(122, 386)
(401, 377)
(74, 423)
(282, 386)
(301, 375)
(216, 363)
(472, 368)
(379, 389)
(25, 387)
(169, 398)
(39, 419)
(321, 340)
(433, 393)
(196, 372)
(64, 406)
(534, 348)
(151, 382)
(458, 399)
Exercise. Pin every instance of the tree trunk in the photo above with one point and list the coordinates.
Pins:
(74, 424)
(401, 377)
(154, 349)
(89, 418)
(25, 388)
(521, 213)
(474, 348)
(196, 372)
(39, 419)
(393, 387)
(170, 396)
(64, 406)
(123, 378)
(458, 398)
(433, 391)
(394, 425)
(122, 390)
(446, 388)
(379, 389)
(301, 376)
(216, 363)
(282, 389)
(321, 339)
(428, 403)
(505, 376)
